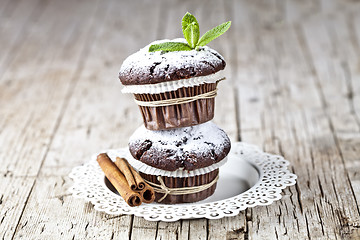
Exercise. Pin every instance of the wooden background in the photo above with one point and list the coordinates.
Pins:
(293, 88)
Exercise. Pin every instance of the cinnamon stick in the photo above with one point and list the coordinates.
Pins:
(128, 170)
(147, 194)
(145, 190)
(118, 180)
(124, 168)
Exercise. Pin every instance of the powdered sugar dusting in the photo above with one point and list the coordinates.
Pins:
(158, 63)
(202, 138)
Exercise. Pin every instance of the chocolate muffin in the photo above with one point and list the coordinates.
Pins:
(187, 148)
(193, 152)
(173, 89)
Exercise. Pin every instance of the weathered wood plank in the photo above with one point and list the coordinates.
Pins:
(257, 99)
(29, 129)
(13, 197)
(45, 105)
(89, 125)
(278, 49)
(333, 70)
(350, 142)
(198, 229)
(16, 19)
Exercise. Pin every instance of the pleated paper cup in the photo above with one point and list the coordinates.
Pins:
(178, 115)
(178, 182)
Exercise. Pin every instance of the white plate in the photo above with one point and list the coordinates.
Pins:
(249, 178)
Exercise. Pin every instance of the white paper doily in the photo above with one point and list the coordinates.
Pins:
(249, 178)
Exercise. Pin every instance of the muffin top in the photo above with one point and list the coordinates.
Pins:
(187, 148)
(144, 67)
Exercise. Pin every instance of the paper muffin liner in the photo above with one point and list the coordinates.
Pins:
(178, 115)
(173, 85)
(142, 167)
(177, 182)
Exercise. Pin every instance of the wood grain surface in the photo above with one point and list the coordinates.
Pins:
(292, 88)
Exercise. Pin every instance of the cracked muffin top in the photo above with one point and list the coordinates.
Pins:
(144, 67)
(187, 148)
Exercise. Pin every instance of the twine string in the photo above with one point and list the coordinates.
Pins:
(174, 101)
(182, 100)
(162, 188)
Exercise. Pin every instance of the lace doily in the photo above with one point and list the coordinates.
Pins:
(269, 175)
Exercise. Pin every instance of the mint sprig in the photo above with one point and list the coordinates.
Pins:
(214, 33)
(169, 47)
(191, 32)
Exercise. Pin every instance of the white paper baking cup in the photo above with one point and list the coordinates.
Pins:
(144, 168)
(173, 85)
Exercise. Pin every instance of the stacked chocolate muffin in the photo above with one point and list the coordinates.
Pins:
(178, 150)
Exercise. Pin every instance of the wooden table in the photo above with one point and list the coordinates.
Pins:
(293, 88)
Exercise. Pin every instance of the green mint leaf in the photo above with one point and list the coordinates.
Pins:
(191, 30)
(214, 33)
(170, 47)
